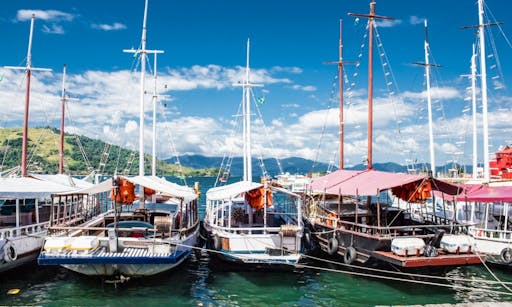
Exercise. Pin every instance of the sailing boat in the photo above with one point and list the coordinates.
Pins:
(108, 230)
(352, 217)
(25, 200)
(251, 223)
(485, 202)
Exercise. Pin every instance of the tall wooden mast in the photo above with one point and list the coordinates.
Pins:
(371, 20)
(340, 64)
(28, 71)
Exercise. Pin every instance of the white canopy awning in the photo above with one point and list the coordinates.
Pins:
(231, 190)
(27, 187)
(155, 183)
(101, 187)
(165, 187)
(63, 179)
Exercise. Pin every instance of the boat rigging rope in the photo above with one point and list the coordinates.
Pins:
(227, 159)
(174, 150)
(77, 140)
(324, 126)
(272, 148)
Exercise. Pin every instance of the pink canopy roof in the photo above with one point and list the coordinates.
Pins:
(486, 193)
(371, 182)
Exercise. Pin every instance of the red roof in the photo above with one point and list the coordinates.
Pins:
(371, 182)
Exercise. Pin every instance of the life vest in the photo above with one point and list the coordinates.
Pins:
(256, 198)
(125, 193)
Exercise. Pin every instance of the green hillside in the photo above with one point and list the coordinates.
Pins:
(43, 155)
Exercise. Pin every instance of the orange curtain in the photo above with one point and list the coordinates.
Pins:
(414, 192)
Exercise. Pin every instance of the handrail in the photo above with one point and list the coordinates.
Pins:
(12, 232)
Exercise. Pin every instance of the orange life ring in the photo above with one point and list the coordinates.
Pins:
(479, 233)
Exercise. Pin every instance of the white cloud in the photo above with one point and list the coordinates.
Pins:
(415, 20)
(436, 93)
(106, 27)
(292, 70)
(47, 15)
(388, 23)
(305, 88)
(53, 29)
(130, 126)
(108, 108)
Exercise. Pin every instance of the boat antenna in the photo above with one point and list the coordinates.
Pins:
(28, 71)
(427, 66)
(371, 20)
(340, 64)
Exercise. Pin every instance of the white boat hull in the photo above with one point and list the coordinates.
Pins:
(494, 250)
(16, 250)
(144, 260)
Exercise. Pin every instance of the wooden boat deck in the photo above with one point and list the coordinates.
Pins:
(443, 259)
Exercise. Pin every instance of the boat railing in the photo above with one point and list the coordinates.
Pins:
(491, 234)
(255, 229)
(71, 230)
(417, 230)
(31, 229)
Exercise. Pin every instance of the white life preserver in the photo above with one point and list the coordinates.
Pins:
(10, 253)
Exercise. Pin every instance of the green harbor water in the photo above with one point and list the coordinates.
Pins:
(200, 281)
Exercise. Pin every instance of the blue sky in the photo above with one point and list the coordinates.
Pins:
(204, 43)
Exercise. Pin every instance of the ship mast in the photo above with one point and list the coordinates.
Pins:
(340, 64)
(246, 115)
(473, 104)
(28, 71)
(153, 156)
(143, 54)
(340, 79)
(63, 108)
(483, 78)
(371, 20)
(427, 66)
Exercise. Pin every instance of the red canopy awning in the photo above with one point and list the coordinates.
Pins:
(371, 182)
(486, 193)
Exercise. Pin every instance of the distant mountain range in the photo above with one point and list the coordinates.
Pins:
(295, 165)
(292, 165)
(45, 158)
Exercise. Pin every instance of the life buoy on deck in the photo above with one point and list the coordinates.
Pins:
(350, 255)
(479, 233)
(332, 246)
(506, 255)
(10, 253)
